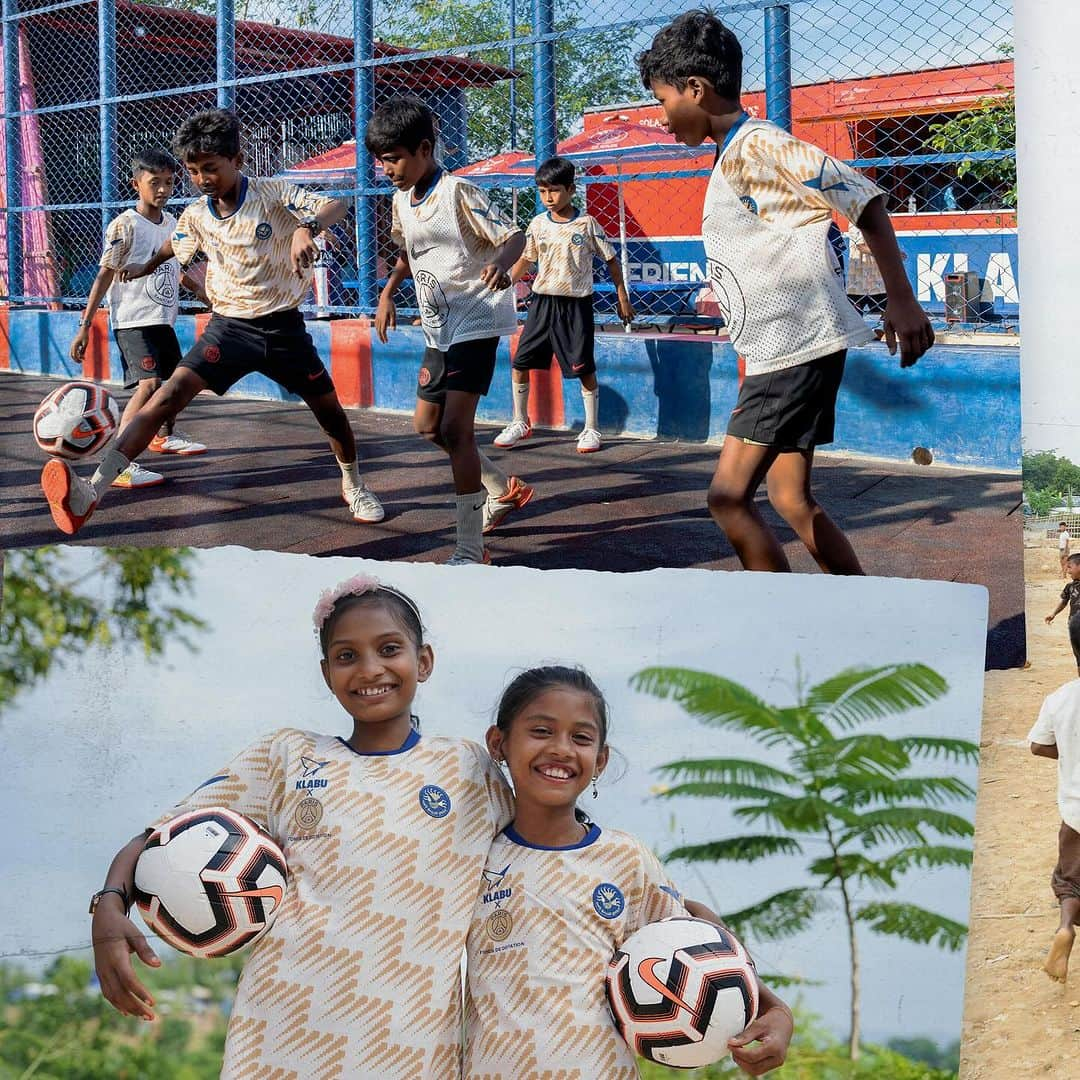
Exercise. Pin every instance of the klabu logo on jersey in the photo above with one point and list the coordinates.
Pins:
(729, 297)
(264, 230)
(161, 285)
(309, 780)
(608, 900)
(829, 178)
(497, 892)
(434, 801)
(434, 310)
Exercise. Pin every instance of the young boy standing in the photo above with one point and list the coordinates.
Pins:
(765, 224)
(1056, 735)
(458, 249)
(562, 242)
(1063, 547)
(1070, 598)
(259, 236)
(142, 314)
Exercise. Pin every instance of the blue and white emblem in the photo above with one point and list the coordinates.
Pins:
(434, 801)
(264, 230)
(577, 239)
(608, 900)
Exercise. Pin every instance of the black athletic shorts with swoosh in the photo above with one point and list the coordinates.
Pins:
(561, 325)
(277, 346)
(467, 366)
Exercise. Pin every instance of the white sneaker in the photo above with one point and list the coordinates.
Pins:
(176, 443)
(588, 442)
(135, 476)
(364, 505)
(514, 432)
(458, 559)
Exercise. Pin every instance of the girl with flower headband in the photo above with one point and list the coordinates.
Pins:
(385, 834)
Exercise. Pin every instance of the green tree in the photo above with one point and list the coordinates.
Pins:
(1049, 479)
(989, 125)
(845, 791)
(52, 610)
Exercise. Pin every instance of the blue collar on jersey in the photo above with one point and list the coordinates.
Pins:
(573, 217)
(590, 837)
(431, 187)
(743, 117)
(410, 741)
(239, 202)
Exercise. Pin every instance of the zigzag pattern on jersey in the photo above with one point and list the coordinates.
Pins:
(563, 267)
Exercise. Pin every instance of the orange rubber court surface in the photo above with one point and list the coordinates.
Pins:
(269, 482)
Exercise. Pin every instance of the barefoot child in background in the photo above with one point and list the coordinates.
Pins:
(1070, 598)
(1056, 735)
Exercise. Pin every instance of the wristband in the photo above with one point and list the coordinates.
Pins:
(96, 899)
(311, 224)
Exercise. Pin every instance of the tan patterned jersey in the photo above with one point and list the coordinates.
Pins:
(563, 252)
(449, 236)
(545, 926)
(250, 273)
(360, 975)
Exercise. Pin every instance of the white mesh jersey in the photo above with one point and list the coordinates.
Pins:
(448, 238)
(250, 273)
(765, 226)
(153, 300)
(563, 252)
(360, 975)
(1058, 725)
(545, 926)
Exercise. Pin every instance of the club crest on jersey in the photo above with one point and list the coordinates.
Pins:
(161, 285)
(430, 298)
(577, 239)
(608, 900)
(749, 203)
(308, 813)
(264, 230)
(729, 297)
(499, 924)
(434, 801)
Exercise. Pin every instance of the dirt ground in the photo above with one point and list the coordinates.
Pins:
(1017, 1021)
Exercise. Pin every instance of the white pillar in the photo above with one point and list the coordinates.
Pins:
(1048, 163)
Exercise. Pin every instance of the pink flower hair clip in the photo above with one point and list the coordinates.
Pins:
(354, 586)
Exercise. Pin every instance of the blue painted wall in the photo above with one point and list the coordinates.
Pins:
(961, 402)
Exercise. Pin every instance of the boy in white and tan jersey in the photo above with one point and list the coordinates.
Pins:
(765, 225)
(458, 248)
(562, 243)
(259, 238)
(360, 975)
(546, 923)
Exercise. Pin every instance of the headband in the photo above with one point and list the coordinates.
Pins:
(356, 586)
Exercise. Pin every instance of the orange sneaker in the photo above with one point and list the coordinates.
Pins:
(71, 499)
(496, 509)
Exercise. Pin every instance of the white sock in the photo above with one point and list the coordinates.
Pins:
(492, 477)
(113, 463)
(591, 400)
(470, 526)
(350, 475)
(521, 401)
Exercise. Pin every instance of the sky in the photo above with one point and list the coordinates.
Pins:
(110, 739)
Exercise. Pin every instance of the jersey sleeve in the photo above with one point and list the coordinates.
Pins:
(660, 899)
(118, 240)
(186, 242)
(809, 175)
(532, 248)
(251, 784)
(298, 201)
(397, 234)
(1043, 731)
(477, 215)
(601, 245)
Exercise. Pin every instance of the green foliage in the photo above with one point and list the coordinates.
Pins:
(1049, 481)
(50, 612)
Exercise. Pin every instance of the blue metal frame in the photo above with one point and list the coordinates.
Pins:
(364, 103)
(226, 54)
(544, 120)
(107, 108)
(778, 65)
(12, 147)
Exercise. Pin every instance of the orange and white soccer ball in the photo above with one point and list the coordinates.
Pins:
(76, 420)
(679, 989)
(209, 882)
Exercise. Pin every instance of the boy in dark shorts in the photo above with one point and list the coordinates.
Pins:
(765, 225)
(259, 236)
(562, 242)
(1070, 598)
(142, 314)
(458, 249)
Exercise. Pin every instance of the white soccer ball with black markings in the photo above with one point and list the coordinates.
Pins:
(76, 420)
(679, 989)
(210, 882)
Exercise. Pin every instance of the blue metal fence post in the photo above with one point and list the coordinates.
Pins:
(778, 65)
(544, 129)
(12, 148)
(512, 63)
(107, 108)
(226, 53)
(363, 103)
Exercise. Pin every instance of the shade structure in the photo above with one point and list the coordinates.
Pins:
(334, 167)
(502, 169)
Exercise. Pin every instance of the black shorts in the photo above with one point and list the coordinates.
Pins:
(563, 325)
(277, 346)
(794, 408)
(466, 366)
(147, 352)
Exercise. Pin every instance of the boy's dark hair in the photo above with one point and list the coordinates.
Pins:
(556, 172)
(402, 120)
(216, 131)
(1072, 560)
(152, 161)
(696, 43)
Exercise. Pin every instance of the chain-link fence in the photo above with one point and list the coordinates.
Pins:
(918, 93)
